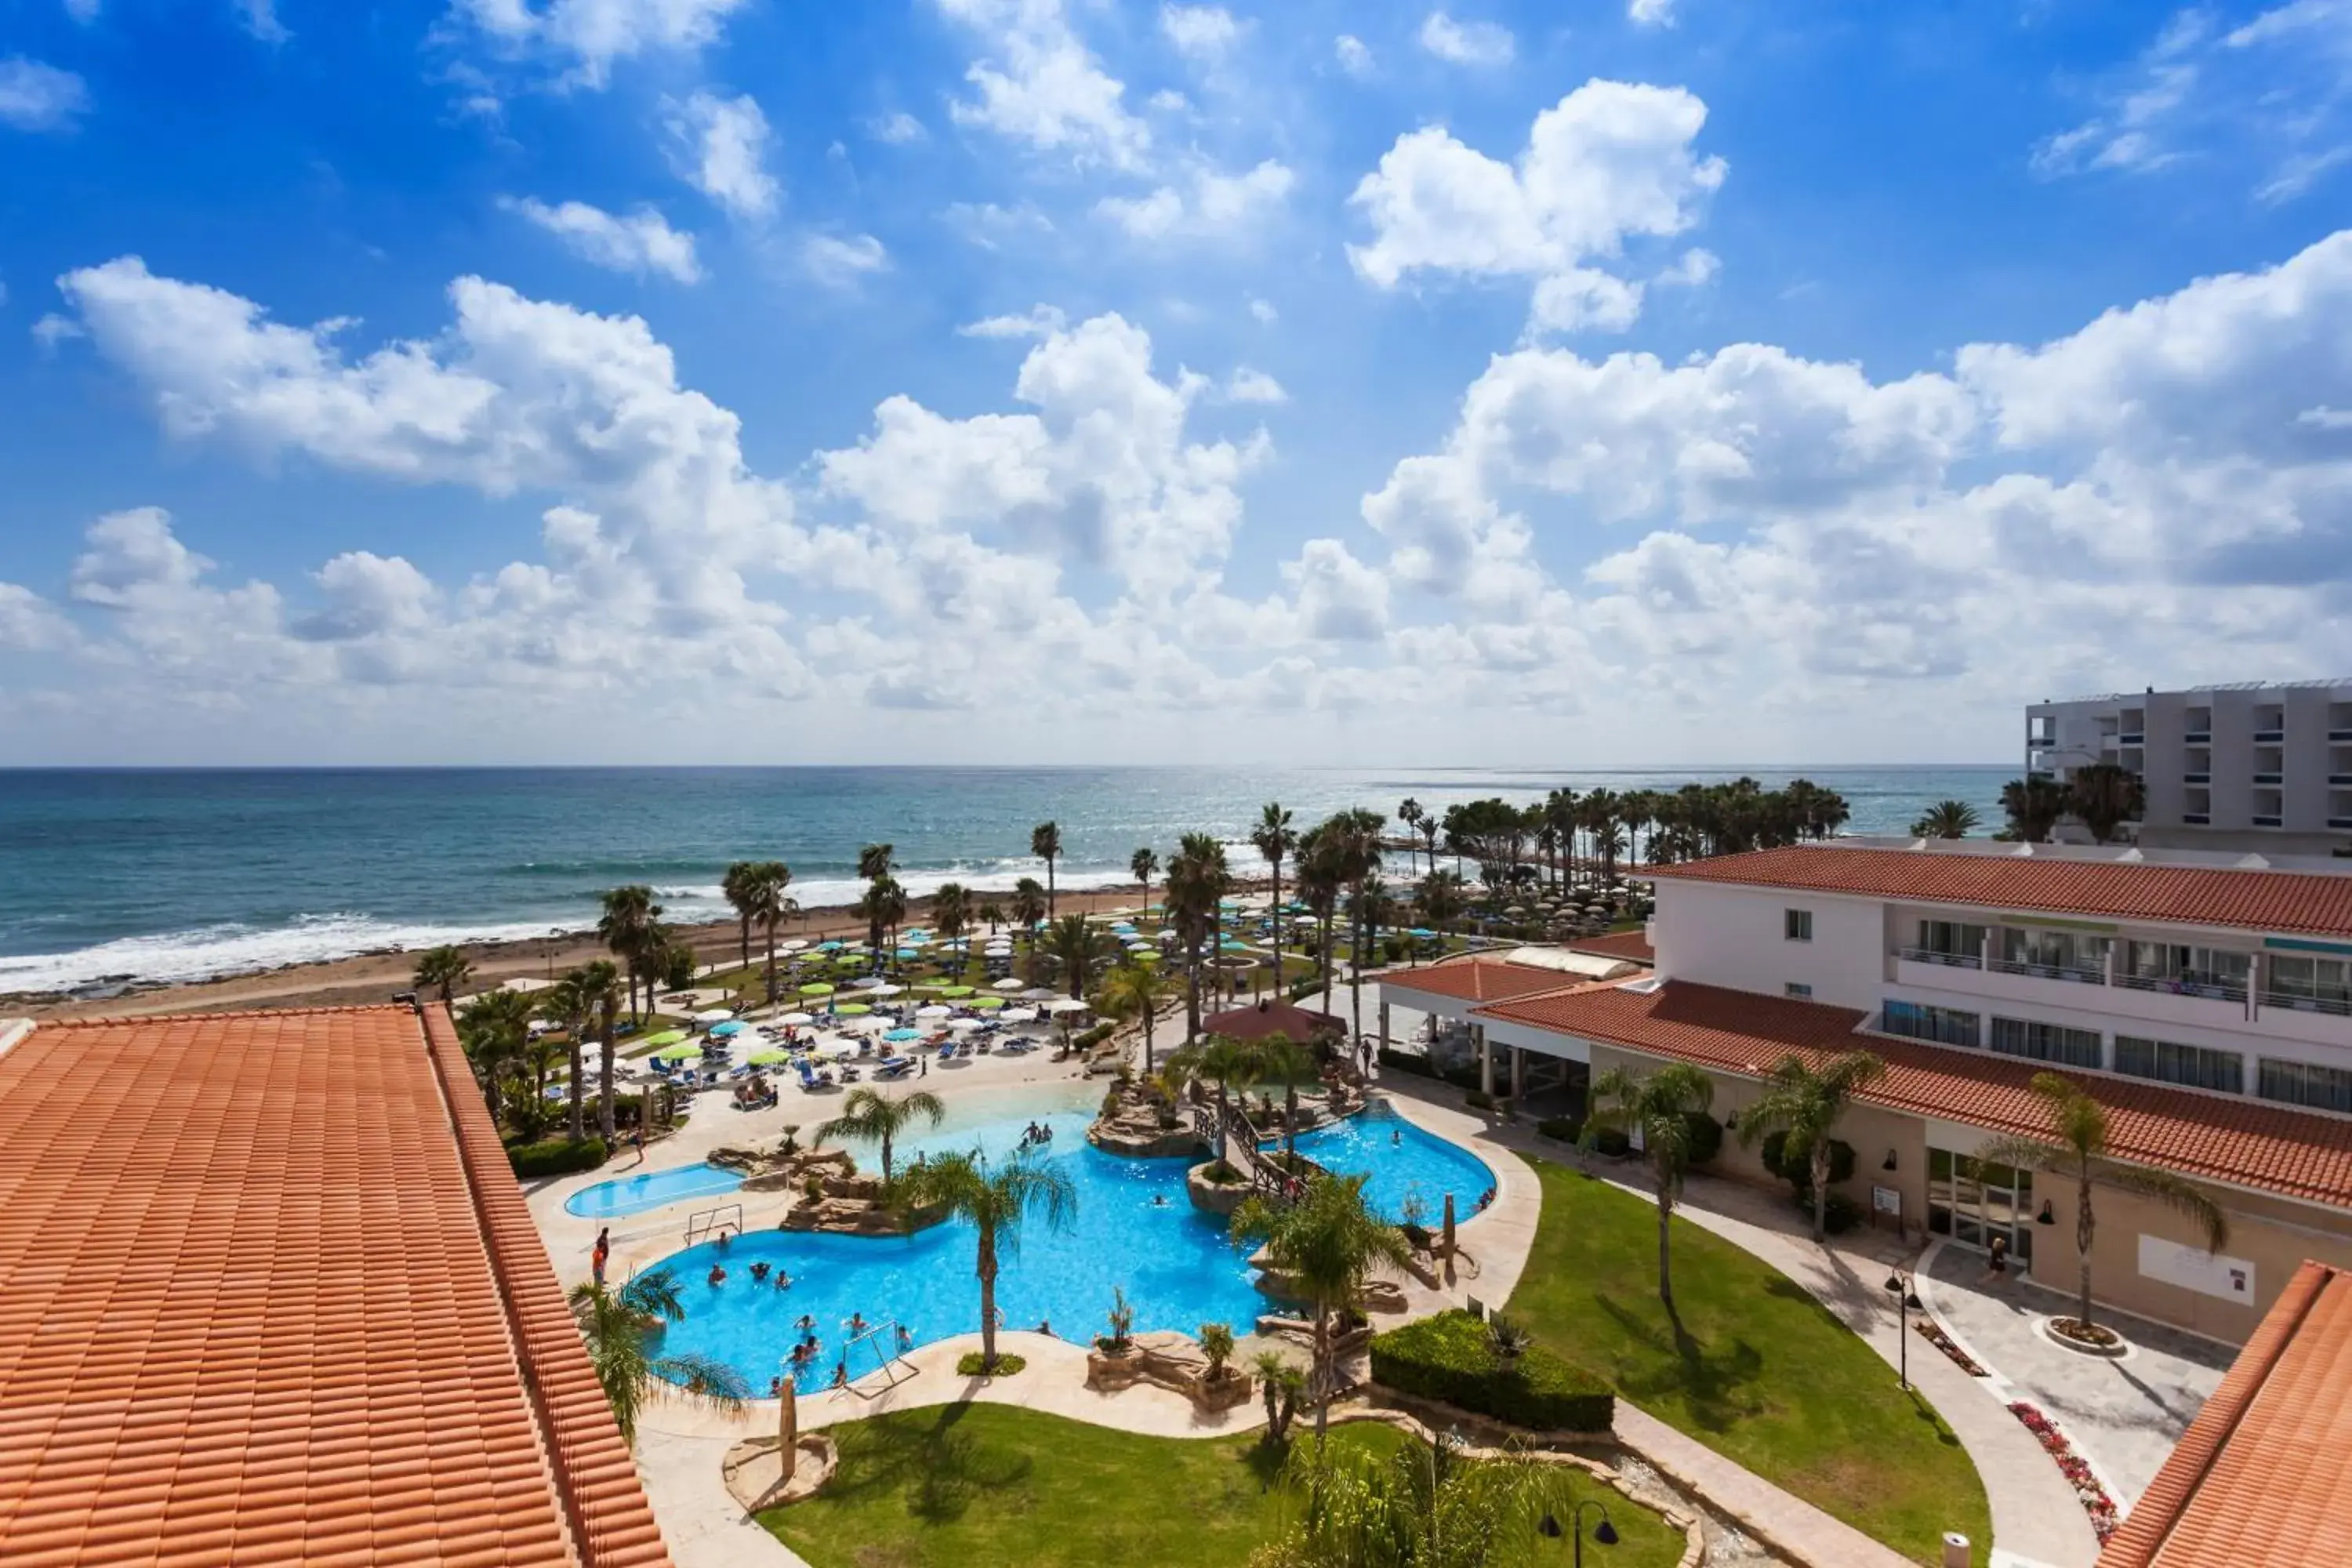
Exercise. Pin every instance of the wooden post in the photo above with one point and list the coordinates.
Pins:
(1449, 1239)
(788, 1433)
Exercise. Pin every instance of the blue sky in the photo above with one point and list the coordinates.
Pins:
(1671, 381)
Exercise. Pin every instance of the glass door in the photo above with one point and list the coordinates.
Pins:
(1972, 1202)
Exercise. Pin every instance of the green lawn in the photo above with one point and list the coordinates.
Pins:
(1750, 1365)
(965, 1484)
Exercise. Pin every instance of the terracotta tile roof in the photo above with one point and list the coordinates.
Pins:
(1479, 980)
(267, 1299)
(2189, 895)
(1634, 946)
(2244, 1142)
(1271, 1017)
(2261, 1478)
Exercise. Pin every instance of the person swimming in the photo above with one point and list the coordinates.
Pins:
(841, 1373)
(807, 1326)
(906, 1340)
(1160, 1200)
(783, 1281)
(858, 1324)
(1396, 1136)
(759, 1272)
(718, 1274)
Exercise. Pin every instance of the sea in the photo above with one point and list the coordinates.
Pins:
(114, 875)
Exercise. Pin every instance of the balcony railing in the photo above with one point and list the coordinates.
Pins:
(2269, 821)
(1949, 960)
(2272, 779)
(2196, 818)
(2272, 736)
(2344, 735)
(2340, 780)
(2205, 778)
(2212, 987)
(2049, 971)
(2339, 1005)
(2205, 737)
(2133, 738)
(2339, 822)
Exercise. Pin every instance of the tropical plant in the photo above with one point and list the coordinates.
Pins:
(994, 1200)
(1216, 1348)
(1232, 1064)
(1805, 1106)
(2034, 805)
(1410, 813)
(764, 898)
(1028, 907)
(1274, 838)
(1322, 872)
(877, 860)
(1197, 880)
(1426, 1504)
(588, 999)
(494, 1028)
(735, 886)
(1121, 1318)
(1508, 1339)
(1075, 944)
(1664, 1106)
(873, 1117)
(1144, 865)
(2075, 1147)
(1135, 991)
(994, 913)
(619, 1326)
(1946, 819)
(883, 906)
(1046, 843)
(1327, 1245)
(442, 968)
(2106, 796)
(630, 929)
(1440, 899)
(1281, 1384)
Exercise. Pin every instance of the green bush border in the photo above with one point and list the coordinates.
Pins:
(1447, 1358)
(556, 1156)
(968, 1365)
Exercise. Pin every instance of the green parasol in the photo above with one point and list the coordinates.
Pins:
(666, 1037)
(685, 1050)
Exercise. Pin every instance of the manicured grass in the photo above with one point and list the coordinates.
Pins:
(1748, 1363)
(966, 1484)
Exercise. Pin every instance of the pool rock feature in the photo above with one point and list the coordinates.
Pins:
(751, 1472)
(1137, 1124)
(1213, 1197)
(1172, 1360)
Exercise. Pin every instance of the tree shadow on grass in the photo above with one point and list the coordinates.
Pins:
(1708, 1379)
(921, 1454)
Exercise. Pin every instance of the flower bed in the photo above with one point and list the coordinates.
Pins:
(1942, 1342)
(2077, 1471)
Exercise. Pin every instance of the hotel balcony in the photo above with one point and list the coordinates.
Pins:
(1946, 960)
(2204, 737)
(2339, 1005)
(2272, 780)
(2272, 736)
(2196, 778)
(2197, 818)
(2267, 821)
(2132, 738)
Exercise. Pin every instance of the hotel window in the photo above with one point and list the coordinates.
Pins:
(2194, 1066)
(1800, 991)
(1797, 925)
(1951, 939)
(2166, 966)
(1944, 1025)
(2301, 1083)
(2046, 1042)
(2052, 951)
(2316, 984)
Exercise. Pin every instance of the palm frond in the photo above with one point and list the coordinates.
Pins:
(2182, 1197)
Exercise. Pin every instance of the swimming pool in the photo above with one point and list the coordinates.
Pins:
(1411, 1170)
(1134, 1229)
(635, 1195)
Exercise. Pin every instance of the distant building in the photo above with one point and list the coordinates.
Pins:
(2264, 766)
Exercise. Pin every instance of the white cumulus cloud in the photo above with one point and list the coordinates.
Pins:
(1466, 43)
(38, 97)
(588, 37)
(1209, 202)
(1038, 82)
(720, 146)
(640, 241)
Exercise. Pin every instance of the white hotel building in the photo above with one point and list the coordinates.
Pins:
(2207, 999)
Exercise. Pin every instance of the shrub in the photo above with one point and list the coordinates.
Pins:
(1567, 1129)
(1706, 1137)
(1451, 1358)
(1613, 1142)
(1302, 989)
(1395, 949)
(1478, 1100)
(1217, 1345)
(968, 1365)
(1413, 1062)
(556, 1156)
(1796, 1167)
(1844, 1214)
(1223, 1174)
(1093, 1038)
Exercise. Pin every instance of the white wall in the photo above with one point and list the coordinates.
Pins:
(1729, 936)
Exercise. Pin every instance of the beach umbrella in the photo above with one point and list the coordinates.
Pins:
(830, 944)
(1019, 1015)
(797, 945)
(904, 1035)
(774, 1056)
(852, 1009)
(839, 1050)
(988, 1004)
(936, 1010)
(1007, 985)
(955, 989)
(816, 988)
(882, 988)
(666, 1037)
(722, 1031)
(714, 1015)
(1066, 1005)
(797, 1020)
(684, 1050)
(1039, 994)
(963, 1026)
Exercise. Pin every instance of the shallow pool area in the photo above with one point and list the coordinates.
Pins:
(1410, 1170)
(635, 1195)
(1134, 1229)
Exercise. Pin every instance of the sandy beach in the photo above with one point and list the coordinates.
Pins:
(377, 976)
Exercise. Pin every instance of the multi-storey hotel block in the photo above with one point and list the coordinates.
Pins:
(2206, 999)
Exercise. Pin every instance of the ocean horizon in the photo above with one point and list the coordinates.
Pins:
(179, 874)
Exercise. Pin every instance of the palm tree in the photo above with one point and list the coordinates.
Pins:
(443, 969)
(494, 1028)
(619, 1326)
(1440, 899)
(1426, 1506)
(1360, 843)
(883, 907)
(876, 1118)
(1328, 1245)
(736, 886)
(1806, 1107)
(994, 913)
(1028, 908)
(2106, 796)
(1410, 813)
(1322, 871)
(763, 892)
(877, 860)
(1274, 838)
(2035, 805)
(1144, 865)
(628, 931)
(1046, 843)
(1233, 1064)
(1663, 1106)
(1075, 943)
(2077, 1149)
(593, 996)
(994, 1200)
(1946, 819)
(568, 1001)
(952, 915)
(1135, 991)
(1197, 880)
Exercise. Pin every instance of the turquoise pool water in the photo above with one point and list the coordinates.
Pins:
(1411, 1170)
(1134, 1229)
(635, 1195)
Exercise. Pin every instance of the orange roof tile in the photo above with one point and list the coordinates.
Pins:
(2244, 1142)
(1479, 980)
(272, 1297)
(2262, 1477)
(2188, 895)
(1634, 946)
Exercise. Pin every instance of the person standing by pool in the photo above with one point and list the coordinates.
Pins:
(604, 1252)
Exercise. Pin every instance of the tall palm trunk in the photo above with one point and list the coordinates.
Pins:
(1356, 972)
(1665, 1265)
(1277, 925)
(1821, 1188)
(1324, 959)
(604, 1082)
(988, 1299)
(1192, 993)
(2085, 1227)
(572, 1085)
(772, 961)
(1323, 1374)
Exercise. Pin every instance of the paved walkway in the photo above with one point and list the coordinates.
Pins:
(2122, 1416)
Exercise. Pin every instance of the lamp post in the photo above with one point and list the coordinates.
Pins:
(1604, 1532)
(1907, 1301)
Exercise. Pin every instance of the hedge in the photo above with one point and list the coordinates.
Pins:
(1706, 1137)
(1447, 1358)
(1799, 1172)
(556, 1156)
(1407, 1061)
(1567, 1129)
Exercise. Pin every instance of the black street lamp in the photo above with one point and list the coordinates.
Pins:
(1604, 1532)
(1907, 1301)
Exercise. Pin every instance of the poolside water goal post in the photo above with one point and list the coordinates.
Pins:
(882, 1341)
